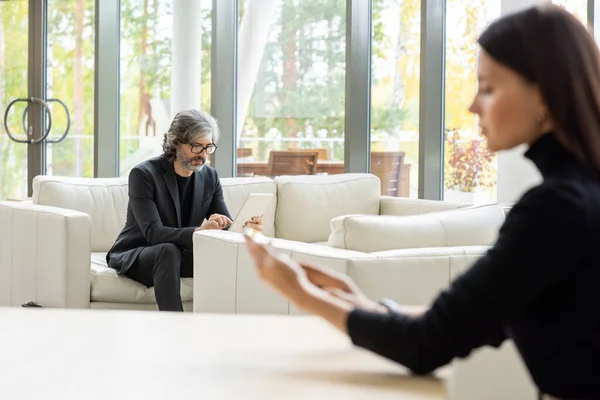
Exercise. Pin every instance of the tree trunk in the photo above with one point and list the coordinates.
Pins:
(78, 95)
(289, 34)
(143, 64)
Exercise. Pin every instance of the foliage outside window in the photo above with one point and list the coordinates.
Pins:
(468, 164)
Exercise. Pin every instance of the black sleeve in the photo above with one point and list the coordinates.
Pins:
(218, 206)
(141, 198)
(540, 239)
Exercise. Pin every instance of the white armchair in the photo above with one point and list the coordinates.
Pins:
(44, 255)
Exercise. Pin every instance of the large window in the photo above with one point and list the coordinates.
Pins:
(69, 91)
(150, 76)
(395, 95)
(13, 84)
(291, 86)
(470, 170)
(70, 79)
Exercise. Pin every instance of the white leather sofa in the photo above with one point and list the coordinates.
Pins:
(52, 249)
(385, 244)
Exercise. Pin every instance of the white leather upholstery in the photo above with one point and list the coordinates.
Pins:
(44, 256)
(236, 191)
(306, 204)
(412, 276)
(225, 278)
(104, 200)
(101, 305)
(389, 205)
(108, 286)
(460, 227)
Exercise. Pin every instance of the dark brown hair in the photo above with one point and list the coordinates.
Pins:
(549, 47)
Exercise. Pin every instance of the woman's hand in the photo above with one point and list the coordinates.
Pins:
(321, 291)
(284, 275)
(291, 280)
(255, 223)
(341, 286)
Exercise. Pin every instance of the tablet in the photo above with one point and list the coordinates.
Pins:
(256, 204)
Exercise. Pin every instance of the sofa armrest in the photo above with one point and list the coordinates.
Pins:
(226, 281)
(44, 256)
(224, 277)
(401, 206)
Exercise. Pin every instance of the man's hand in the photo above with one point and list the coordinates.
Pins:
(255, 223)
(215, 221)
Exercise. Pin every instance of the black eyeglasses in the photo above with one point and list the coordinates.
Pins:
(198, 148)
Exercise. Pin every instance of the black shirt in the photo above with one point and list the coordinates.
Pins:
(185, 185)
(539, 285)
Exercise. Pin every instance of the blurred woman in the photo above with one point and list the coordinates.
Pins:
(539, 85)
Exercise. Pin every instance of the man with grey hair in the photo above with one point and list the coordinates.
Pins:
(171, 197)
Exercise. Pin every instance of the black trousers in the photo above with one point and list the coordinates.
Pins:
(162, 266)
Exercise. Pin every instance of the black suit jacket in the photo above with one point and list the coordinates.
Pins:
(153, 212)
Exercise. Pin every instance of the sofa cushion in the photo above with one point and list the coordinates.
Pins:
(107, 286)
(236, 191)
(470, 226)
(306, 204)
(402, 206)
(103, 199)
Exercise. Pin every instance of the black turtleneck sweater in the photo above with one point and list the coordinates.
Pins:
(539, 285)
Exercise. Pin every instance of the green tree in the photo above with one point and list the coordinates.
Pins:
(70, 78)
(146, 37)
(301, 84)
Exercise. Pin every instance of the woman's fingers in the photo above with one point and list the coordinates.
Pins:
(342, 294)
(256, 227)
(256, 250)
(326, 277)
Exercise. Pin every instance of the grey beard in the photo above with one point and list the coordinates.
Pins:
(187, 162)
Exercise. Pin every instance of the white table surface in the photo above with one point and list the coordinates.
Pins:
(93, 354)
